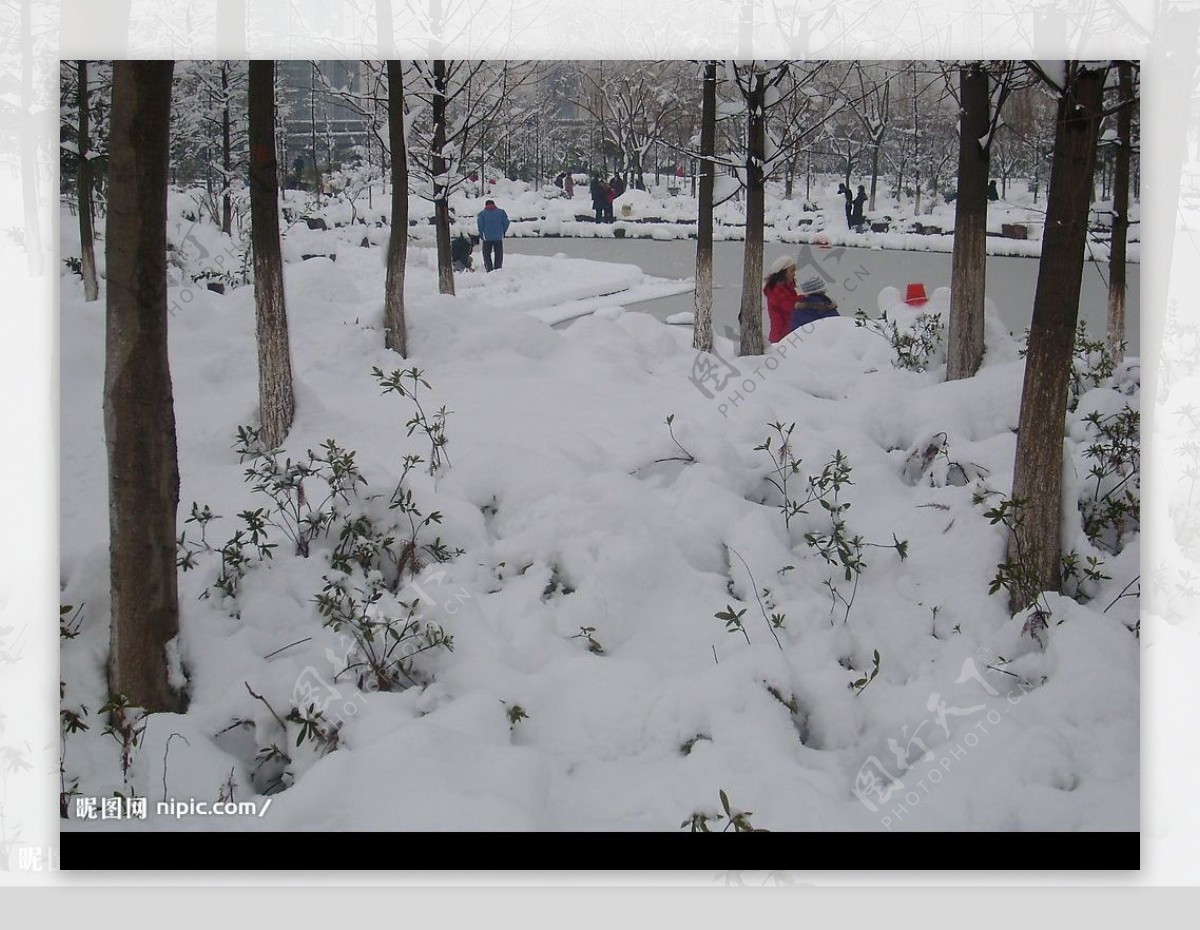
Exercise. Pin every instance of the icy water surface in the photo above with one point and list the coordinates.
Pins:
(860, 275)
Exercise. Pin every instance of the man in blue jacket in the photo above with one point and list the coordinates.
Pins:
(493, 224)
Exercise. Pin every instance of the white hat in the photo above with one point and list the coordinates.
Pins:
(784, 261)
(813, 285)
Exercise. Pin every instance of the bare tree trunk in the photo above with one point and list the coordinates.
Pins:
(277, 401)
(874, 175)
(83, 180)
(312, 114)
(139, 414)
(441, 192)
(702, 334)
(752, 258)
(1037, 478)
(965, 333)
(1120, 223)
(226, 154)
(395, 328)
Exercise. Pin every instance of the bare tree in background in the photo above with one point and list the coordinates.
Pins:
(981, 94)
(139, 415)
(1127, 100)
(461, 100)
(396, 329)
(702, 336)
(83, 180)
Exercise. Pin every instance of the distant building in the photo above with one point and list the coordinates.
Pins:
(305, 100)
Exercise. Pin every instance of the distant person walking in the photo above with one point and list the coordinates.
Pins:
(569, 186)
(493, 224)
(845, 192)
(856, 215)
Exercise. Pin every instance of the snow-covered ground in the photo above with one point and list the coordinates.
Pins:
(615, 664)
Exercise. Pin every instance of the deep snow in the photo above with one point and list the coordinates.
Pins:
(576, 510)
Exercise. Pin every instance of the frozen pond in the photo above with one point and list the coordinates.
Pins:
(860, 275)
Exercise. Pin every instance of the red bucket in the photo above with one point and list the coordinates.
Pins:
(915, 295)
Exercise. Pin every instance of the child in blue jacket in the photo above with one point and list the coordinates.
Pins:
(814, 303)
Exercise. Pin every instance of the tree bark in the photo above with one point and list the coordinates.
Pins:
(702, 333)
(752, 258)
(83, 180)
(1120, 223)
(277, 403)
(441, 191)
(226, 154)
(139, 415)
(965, 332)
(395, 328)
(1037, 478)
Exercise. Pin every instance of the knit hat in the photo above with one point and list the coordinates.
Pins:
(813, 285)
(784, 261)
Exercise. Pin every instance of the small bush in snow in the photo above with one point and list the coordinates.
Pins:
(1019, 575)
(386, 633)
(836, 544)
(916, 345)
(593, 644)
(298, 514)
(1111, 502)
(1092, 364)
(126, 725)
(1079, 581)
(738, 820)
(407, 383)
(70, 721)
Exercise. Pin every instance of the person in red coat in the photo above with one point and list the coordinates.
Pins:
(782, 297)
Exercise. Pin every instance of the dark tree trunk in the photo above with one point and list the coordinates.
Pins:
(276, 399)
(83, 180)
(965, 332)
(441, 192)
(395, 328)
(312, 115)
(1120, 223)
(702, 335)
(1037, 478)
(139, 415)
(752, 258)
(226, 154)
(874, 175)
